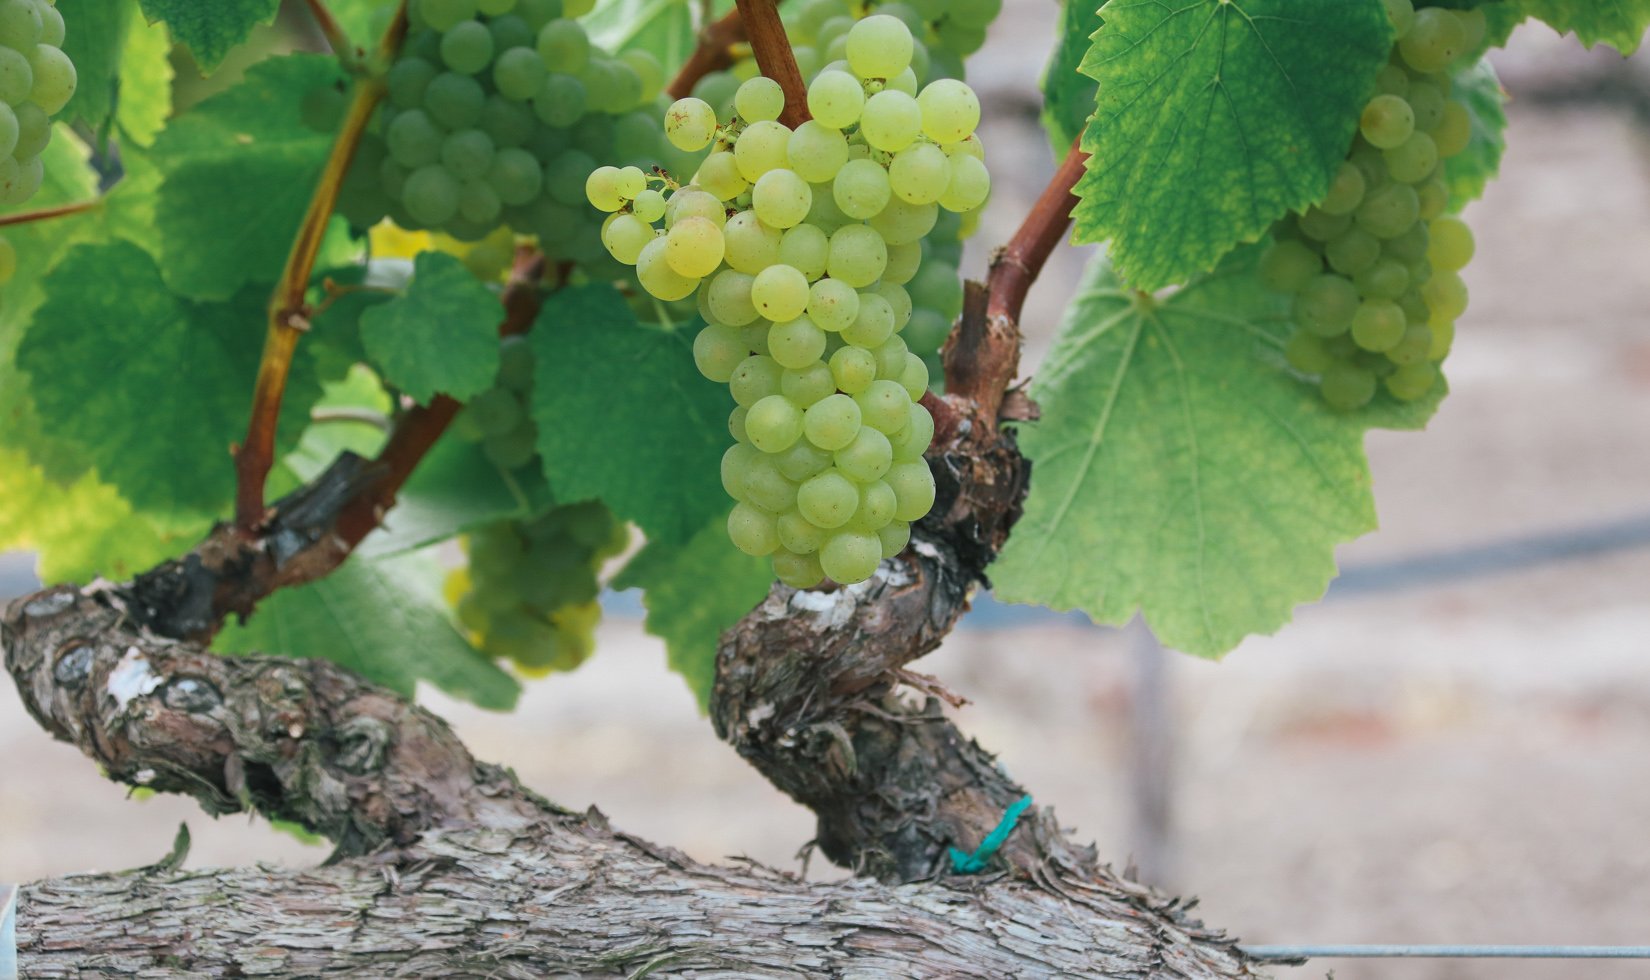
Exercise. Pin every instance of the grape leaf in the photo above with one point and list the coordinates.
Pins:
(363, 20)
(1618, 23)
(1180, 468)
(1214, 118)
(663, 28)
(624, 416)
(1068, 94)
(211, 28)
(441, 336)
(694, 590)
(382, 618)
(1470, 170)
(82, 530)
(239, 171)
(153, 387)
(145, 80)
(93, 38)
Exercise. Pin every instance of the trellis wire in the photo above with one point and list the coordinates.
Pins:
(1299, 954)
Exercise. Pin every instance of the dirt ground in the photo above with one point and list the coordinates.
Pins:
(1466, 762)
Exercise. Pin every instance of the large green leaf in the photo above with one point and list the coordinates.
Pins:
(382, 618)
(210, 27)
(239, 172)
(1214, 118)
(151, 387)
(623, 415)
(1470, 170)
(440, 336)
(1068, 94)
(694, 591)
(145, 81)
(93, 39)
(663, 28)
(1181, 469)
(1618, 23)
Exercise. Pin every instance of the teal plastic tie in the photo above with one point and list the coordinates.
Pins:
(973, 864)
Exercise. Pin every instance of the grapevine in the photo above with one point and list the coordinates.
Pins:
(1374, 267)
(36, 81)
(799, 245)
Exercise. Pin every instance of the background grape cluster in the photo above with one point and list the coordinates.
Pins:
(798, 244)
(529, 593)
(497, 111)
(36, 81)
(1374, 268)
(944, 33)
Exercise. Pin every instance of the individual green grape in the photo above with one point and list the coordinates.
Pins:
(516, 176)
(802, 461)
(1450, 245)
(1387, 278)
(861, 189)
(885, 406)
(890, 355)
(1321, 226)
(902, 224)
(1446, 296)
(1402, 15)
(1413, 159)
(408, 79)
(832, 423)
(1287, 266)
(564, 46)
(54, 79)
(774, 424)
(1326, 305)
(833, 304)
(913, 486)
(815, 151)
(807, 249)
(730, 298)
(1306, 353)
(718, 351)
(602, 189)
(1392, 80)
(782, 199)
(1353, 252)
(690, 202)
(1413, 348)
(467, 47)
(625, 236)
(1434, 39)
(1389, 211)
(1387, 121)
(468, 154)
(891, 121)
(912, 441)
(797, 571)
(879, 46)
(759, 100)
(851, 556)
(970, 185)
(874, 324)
(1378, 325)
(1426, 99)
(797, 343)
(690, 124)
(798, 535)
(443, 14)
(561, 101)
(719, 175)
(1412, 382)
(1410, 246)
(950, 111)
(431, 196)
(649, 206)
(867, 458)
(754, 531)
(762, 147)
(756, 377)
(519, 73)
(895, 538)
(808, 385)
(877, 505)
(780, 293)
(751, 246)
(835, 99)
(858, 256)
(454, 101)
(16, 77)
(654, 271)
(920, 173)
(828, 500)
(413, 139)
(694, 247)
(1347, 387)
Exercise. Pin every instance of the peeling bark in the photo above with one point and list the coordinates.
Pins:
(448, 867)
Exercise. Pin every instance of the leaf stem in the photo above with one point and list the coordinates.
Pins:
(713, 53)
(288, 313)
(44, 214)
(774, 56)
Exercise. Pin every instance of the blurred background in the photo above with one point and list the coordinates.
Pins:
(1453, 748)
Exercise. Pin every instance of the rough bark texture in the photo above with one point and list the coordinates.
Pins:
(469, 874)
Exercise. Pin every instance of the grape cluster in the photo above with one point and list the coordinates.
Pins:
(944, 32)
(1374, 268)
(496, 112)
(36, 81)
(498, 417)
(799, 244)
(529, 593)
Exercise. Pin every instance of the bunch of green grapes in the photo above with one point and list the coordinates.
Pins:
(944, 32)
(498, 417)
(800, 245)
(1374, 268)
(36, 81)
(497, 111)
(529, 593)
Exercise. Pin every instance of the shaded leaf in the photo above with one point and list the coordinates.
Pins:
(440, 337)
(210, 27)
